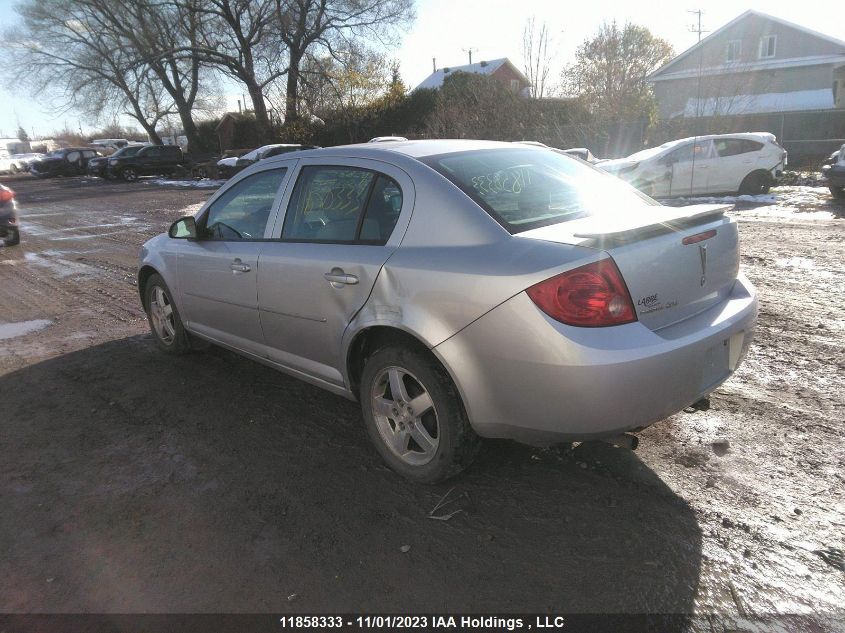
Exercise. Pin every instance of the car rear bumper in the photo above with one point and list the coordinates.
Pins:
(525, 376)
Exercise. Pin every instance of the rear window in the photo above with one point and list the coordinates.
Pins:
(523, 189)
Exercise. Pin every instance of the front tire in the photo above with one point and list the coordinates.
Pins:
(13, 238)
(415, 417)
(14, 169)
(165, 323)
(129, 174)
(837, 192)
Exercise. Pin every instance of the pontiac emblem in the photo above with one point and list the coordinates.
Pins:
(702, 252)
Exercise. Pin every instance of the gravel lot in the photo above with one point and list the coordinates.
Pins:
(131, 482)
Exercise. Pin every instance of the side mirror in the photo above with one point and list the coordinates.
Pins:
(184, 228)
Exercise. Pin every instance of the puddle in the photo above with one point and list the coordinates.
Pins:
(22, 328)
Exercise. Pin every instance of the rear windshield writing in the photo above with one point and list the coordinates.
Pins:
(524, 188)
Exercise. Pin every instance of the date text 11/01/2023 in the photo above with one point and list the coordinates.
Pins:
(470, 623)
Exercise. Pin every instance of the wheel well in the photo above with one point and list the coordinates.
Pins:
(143, 275)
(761, 172)
(371, 340)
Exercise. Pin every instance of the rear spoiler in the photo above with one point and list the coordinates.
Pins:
(666, 217)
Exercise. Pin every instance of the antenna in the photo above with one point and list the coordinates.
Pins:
(469, 51)
(696, 28)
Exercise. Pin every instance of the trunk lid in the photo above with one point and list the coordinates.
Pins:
(676, 262)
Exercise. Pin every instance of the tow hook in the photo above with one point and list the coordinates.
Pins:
(623, 440)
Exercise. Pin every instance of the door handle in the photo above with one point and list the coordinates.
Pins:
(238, 266)
(337, 278)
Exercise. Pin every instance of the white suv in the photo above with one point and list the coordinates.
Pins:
(747, 163)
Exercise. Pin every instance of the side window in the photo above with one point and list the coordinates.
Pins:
(751, 146)
(327, 204)
(89, 154)
(151, 152)
(241, 213)
(684, 154)
(72, 157)
(729, 146)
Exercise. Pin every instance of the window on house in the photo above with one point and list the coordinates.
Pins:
(515, 85)
(767, 46)
(734, 50)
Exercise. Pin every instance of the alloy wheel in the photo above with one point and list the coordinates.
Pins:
(405, 416)
(161, 314)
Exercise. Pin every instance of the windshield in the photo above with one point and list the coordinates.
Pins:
(523, 188)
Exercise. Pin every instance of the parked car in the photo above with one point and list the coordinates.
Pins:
(578, 152)
(148, 160)
(9, 226)
(68, 161)
(229, 167)
(99, 166)
(17, 163)
(581, 152)
(834, 173)
(110, 143)
(747, 163)
(459, 289)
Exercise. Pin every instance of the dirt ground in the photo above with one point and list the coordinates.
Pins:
(132, 482)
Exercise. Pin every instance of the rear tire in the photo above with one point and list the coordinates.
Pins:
(426, 445)
(14, 169)
(13, 238)
(837, 192)
(165, 323)
(754, 184)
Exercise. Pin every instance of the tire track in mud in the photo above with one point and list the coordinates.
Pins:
(77, 261)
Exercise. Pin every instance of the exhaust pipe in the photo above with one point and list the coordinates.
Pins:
(623, 440)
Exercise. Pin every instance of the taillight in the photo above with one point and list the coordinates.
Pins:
(594, 295)
(6, 194)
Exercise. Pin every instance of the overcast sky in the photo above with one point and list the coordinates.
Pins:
(444, 28)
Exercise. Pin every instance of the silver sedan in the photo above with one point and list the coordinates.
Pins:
(459, 290)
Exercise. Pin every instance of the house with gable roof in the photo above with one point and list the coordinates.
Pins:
(756, 63)
(501, 69)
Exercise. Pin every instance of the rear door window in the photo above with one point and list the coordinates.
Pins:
(729, 146)
(342, 204)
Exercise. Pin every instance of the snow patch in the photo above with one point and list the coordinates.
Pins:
(766, 198)
(22, 328)
(205, 183)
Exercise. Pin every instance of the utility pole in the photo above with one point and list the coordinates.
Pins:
(697, 29)
(470, 51)
(698, 113)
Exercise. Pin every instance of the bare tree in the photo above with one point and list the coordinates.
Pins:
(240, 37)
(157, 33)
(536, 57)
(60, 50)
(329, 26)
